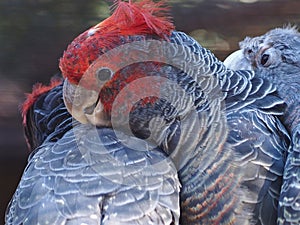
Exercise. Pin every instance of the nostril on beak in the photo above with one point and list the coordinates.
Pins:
(89, 110)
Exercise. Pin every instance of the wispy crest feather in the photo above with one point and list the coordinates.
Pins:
(143, 16)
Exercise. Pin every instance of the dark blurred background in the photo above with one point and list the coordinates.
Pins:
(34, 33)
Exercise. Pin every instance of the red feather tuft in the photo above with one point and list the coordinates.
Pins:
(144, 17)
(37, 90)
(128, 19)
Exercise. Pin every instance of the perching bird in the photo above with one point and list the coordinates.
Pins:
(90, 176)
(275, 56)
(219, 126)
(230, 157)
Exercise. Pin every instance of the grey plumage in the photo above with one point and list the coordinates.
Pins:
(82, 174)
(233, 176)
(223, 136)
(275, 56)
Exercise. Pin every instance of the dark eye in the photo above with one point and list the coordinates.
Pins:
(264, 60)
(104, 74)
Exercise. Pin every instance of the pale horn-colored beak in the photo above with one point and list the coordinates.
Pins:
(237, 61)
(84, 105)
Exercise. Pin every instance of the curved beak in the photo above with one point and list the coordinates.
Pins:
(237, 61)
(84, 105)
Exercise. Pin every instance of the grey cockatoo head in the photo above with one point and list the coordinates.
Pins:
(274, 55)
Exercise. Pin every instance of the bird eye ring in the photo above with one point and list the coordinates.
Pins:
(104, 74)
(264, 60)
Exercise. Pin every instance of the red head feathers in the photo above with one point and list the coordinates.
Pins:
(128, 19)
